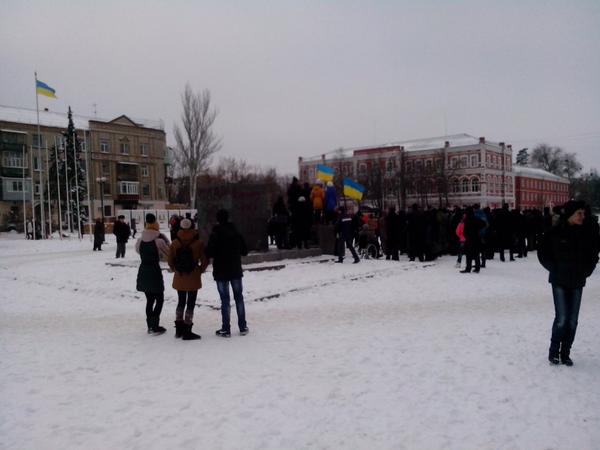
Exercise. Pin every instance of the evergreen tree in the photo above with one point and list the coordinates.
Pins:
(71, 174)
(523, 157)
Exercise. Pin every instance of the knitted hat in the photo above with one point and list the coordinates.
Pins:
(571, 207)
(186, 224)
(150, 218)
(329, 183)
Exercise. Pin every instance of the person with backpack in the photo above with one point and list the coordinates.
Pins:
(226, 246)
(186, 251)
(153, 247)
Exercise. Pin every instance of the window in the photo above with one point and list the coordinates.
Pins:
(105, 169)
(428, 165)
(82, 145)
(474, 160)
(455, 185)
(15, 186)
(389, 166)
(104, 147)
(454, 162)
(36, 164)
(128, 188)
(409, 166)
(145, 171)
(465, 185)
(125, 148)
(362, 169)
(475, 185)
(107, 210)
(144, 149)
(464, 161)
(146, 190)
(14, 160)
(37, 189)
(438, 164)
(37, 140)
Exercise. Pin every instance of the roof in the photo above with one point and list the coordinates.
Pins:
(60, 119)
(455, 140)
(532, 172)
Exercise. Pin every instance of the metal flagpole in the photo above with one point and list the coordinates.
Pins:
(60, 224)
(87, 181)
(49, 197)
(24, 184)
(32, 191)
(76, 166)
(67, 193)
(42, 214)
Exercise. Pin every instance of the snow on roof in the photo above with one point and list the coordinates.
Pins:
(455, 140)
(533, 172)
(60, 119)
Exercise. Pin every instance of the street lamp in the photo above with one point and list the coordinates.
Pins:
(101, 180)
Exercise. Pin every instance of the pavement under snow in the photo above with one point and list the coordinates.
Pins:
(376, 355)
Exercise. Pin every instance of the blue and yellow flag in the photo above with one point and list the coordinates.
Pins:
(43, 89)
(353, 189)
(324, 173)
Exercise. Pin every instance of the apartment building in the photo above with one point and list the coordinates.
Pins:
(126, 160)
(536, 188)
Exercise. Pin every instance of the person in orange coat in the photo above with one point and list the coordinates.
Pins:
(317, 198)
(185, 252)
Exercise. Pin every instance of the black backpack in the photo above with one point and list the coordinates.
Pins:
(184, 258)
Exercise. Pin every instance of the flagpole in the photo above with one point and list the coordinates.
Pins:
(42, 213)
(24, 207)
(49, 197)
(87, 181)
(32, 191)
(76, 166)
(68, 199)
(60, 224)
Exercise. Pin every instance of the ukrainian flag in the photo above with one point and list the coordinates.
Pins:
(43, 89)
(353, 189)
(324, 173)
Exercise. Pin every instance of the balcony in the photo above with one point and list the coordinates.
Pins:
(128, 191)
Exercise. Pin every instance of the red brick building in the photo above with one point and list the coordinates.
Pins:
(536, 188)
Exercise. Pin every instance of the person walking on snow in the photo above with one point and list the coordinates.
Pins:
(569, 252)
(152, 247)
(121, 231)
(184, 254)
(98, 234)
(345, 234)
(225, 247)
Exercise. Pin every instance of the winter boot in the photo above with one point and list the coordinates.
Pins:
(244, 331)
(179, 327)
(188, 335)
(553, 357)
(149, 324)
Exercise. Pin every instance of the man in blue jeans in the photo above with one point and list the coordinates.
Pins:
(569, 251)
(225, 247)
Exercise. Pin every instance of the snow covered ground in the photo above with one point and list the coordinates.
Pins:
(378, 355)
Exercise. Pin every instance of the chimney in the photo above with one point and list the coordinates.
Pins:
(501, 144)
(482, 140)
(446, 144)
(299, 159)
(323, 157)
(509, 146)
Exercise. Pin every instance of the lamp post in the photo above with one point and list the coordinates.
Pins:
(101, 180)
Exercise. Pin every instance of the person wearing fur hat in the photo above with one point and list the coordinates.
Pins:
(152, 247)
(569, 251)
(186, 251)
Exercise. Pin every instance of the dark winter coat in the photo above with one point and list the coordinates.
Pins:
(330, 199)
(121, 231)
(188, 281)
(225, 247)
(99, 232)
(152, 247)
(344, 227)
(570, 254)
(472, 231)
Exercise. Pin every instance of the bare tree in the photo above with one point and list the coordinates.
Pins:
(197, 142)
(548, 158)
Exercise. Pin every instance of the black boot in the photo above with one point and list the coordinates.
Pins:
(149, 324)
(223, 332)
(188, 335)
(179, 327)
(565, 358)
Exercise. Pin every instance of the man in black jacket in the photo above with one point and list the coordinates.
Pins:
(344, 231)
(121, 231)
(225, 247)
(569, 251)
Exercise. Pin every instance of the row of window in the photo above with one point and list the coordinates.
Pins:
(543, 198)
(124, 148)
(545, 185)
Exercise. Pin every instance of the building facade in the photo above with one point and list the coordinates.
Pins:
(536, 188)
(126, 161)
(456, 170)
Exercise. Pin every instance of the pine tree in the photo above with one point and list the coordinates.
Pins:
(523, 157)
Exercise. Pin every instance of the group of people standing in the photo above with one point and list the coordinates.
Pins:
(188, 257)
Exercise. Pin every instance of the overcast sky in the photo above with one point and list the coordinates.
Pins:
(301, 78)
